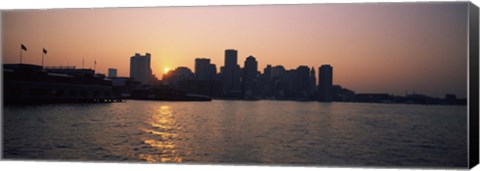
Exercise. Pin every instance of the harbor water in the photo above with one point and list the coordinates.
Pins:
(239, 132)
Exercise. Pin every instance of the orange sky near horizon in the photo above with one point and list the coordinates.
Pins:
(373, 48)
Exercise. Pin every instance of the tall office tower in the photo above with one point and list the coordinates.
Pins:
(220, 74)
(249, 77)
(231, 71)
(212, 69)
(325, 85)
(312, 85)
(237, 73)
(278, 72)
(289, 81)
(112, 72)
(302, 79)
(267, 71)
(204, 70)
(265, 81)
(140, 68)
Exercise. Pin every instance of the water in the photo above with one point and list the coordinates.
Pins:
(240, 132)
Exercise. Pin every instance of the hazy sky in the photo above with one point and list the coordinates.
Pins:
(372, 47)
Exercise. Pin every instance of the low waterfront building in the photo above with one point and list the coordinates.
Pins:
(25, 83)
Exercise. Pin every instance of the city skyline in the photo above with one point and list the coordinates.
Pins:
(359, 66)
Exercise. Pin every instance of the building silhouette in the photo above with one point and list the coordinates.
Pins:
(140, 69)
(174, 78)
(233, 82)
(325, 85)
(301, 84)
(231, 73)
(278, 71)
(312, 84)
(289, 82)
(267, 72)
(278, 80)
(112, 72)
(27, 83)
(204, 70)
(341, 94)
(250, 77)
(265, 83)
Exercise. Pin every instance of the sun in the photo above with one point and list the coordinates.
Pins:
(167, 69)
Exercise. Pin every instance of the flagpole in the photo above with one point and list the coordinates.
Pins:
(44, 52)
(21, 53)
(22, 48)
(42, 58)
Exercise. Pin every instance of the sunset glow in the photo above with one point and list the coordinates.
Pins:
(373, 48)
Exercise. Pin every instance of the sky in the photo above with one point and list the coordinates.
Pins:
(373, 47)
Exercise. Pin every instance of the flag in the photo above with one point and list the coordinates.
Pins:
(23, 47)
(44, 51)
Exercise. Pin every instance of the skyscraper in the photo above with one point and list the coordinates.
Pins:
(204, 70)
(278, 78)
(249, 77)
(267, 72)
(312, 87)
(212, 69)
(140, 68)
(231, 57)
(231, 71)
(302, 79)
(277, 72)
(289, 81)
(325, 85)
(265, 81)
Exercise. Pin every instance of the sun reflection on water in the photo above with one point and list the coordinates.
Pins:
(161, 131)
(161, 126)
(163, 135)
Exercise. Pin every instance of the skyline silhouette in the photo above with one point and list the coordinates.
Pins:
(205, 84)
(375, 48)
